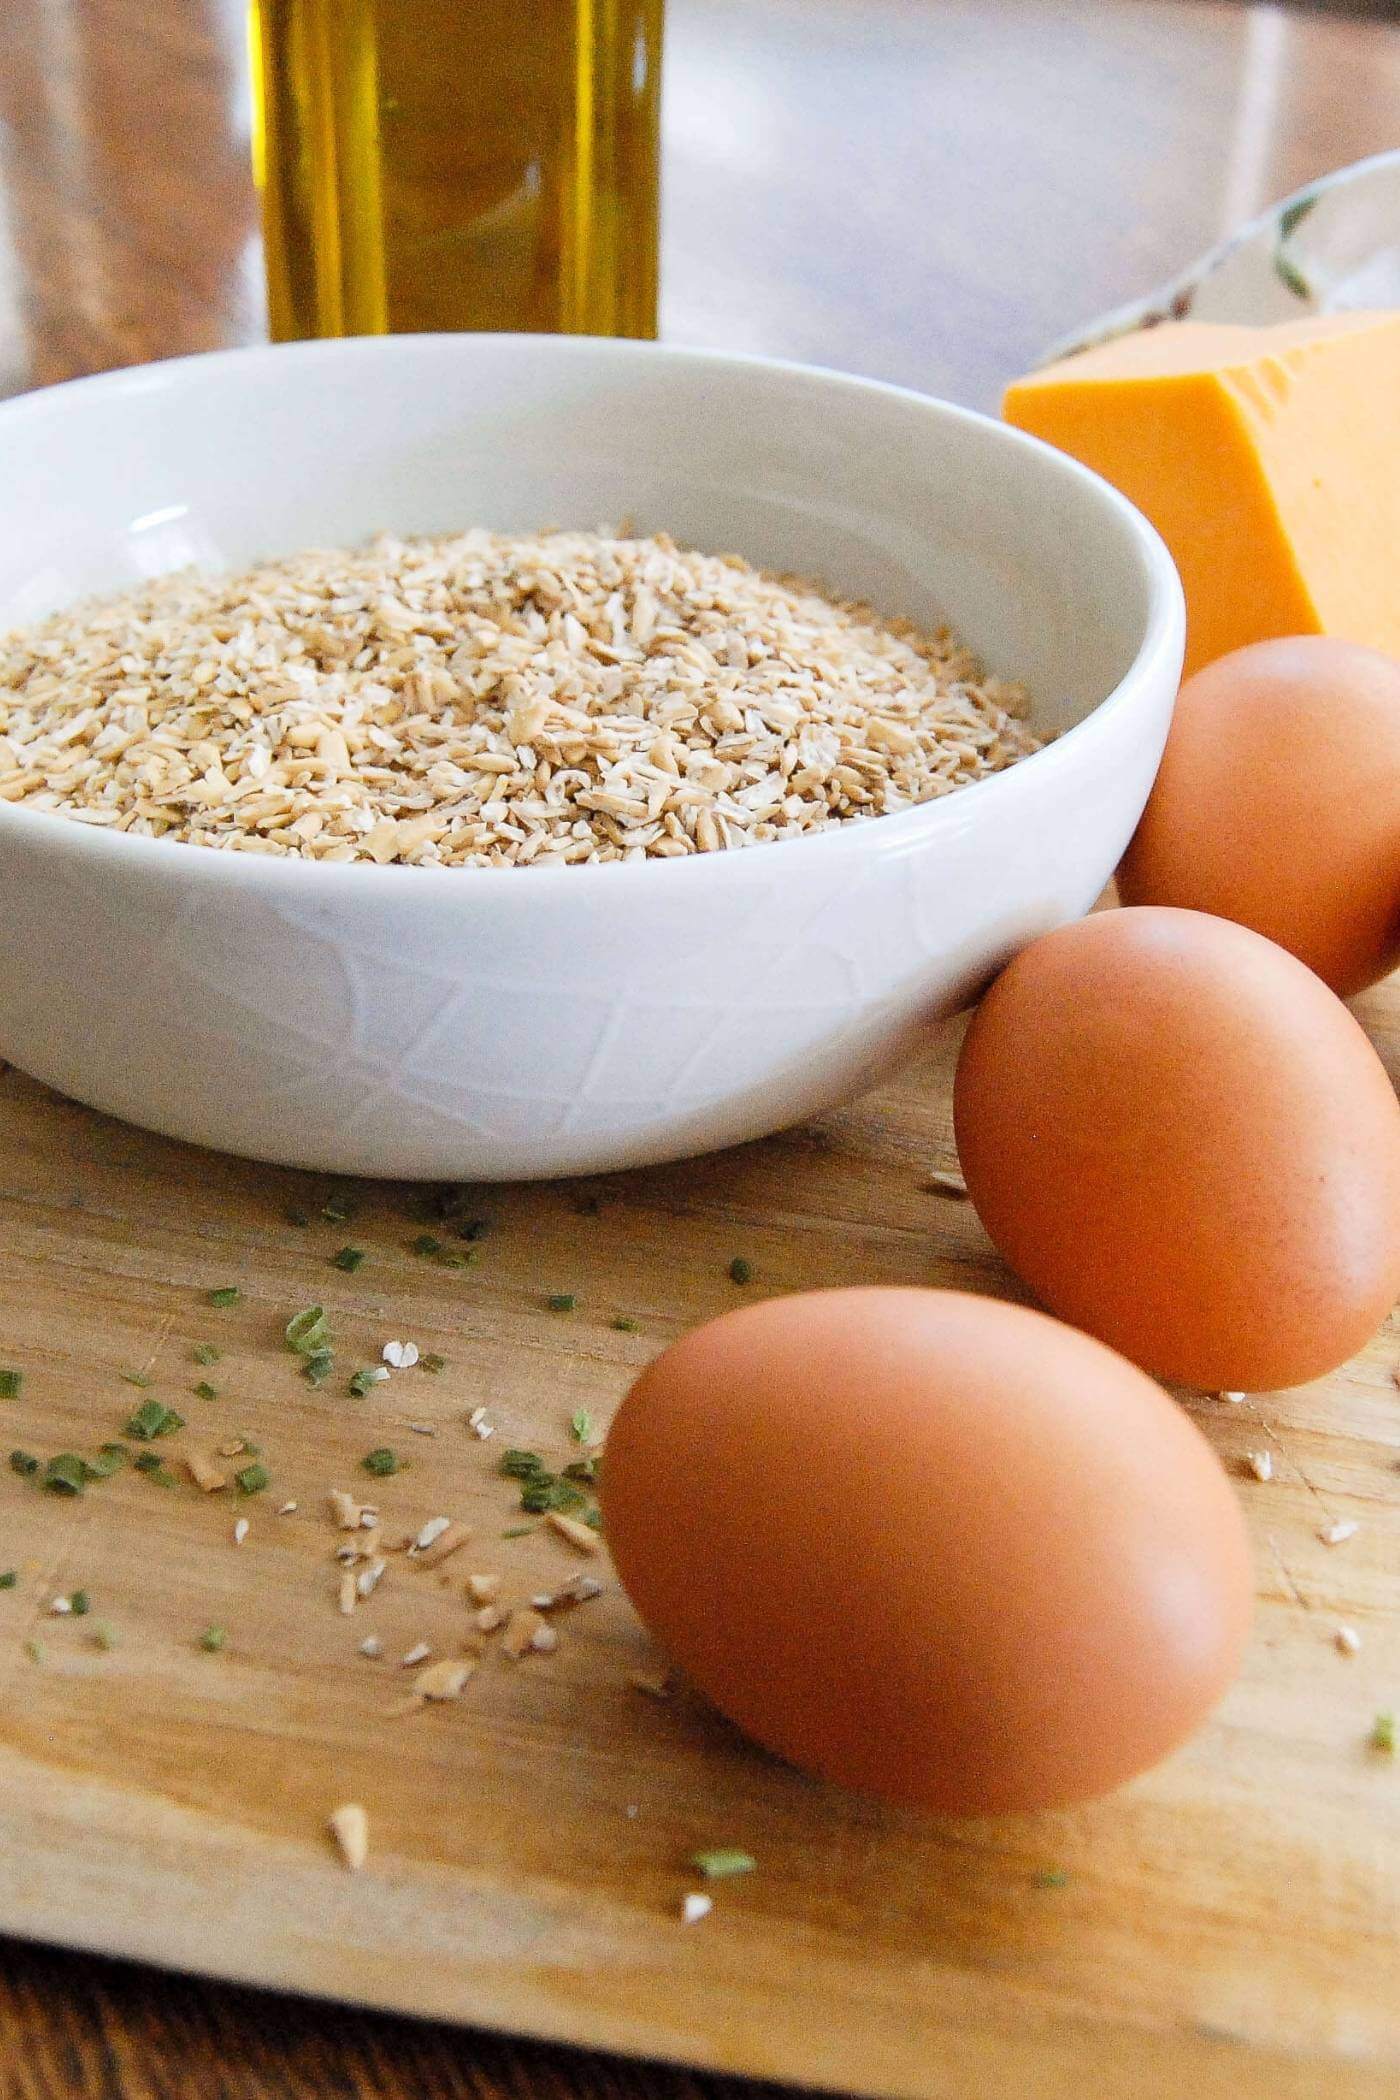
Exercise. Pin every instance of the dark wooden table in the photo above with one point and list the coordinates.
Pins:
(924, 190)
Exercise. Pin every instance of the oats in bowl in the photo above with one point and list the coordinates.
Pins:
(488, 699)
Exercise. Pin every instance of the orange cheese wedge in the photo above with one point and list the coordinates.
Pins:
(1267, 458)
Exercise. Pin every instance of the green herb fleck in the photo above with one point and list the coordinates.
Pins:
(740, 1270)
(34, 1650)
(427, 1244)
(142, 1378)
(318, 1366)
(519, 1531)
(588, 1206)
(213, 1639)
(205, 1391)
(1382, 1733)
(547, 1491)
(64, 1475)
(251, 1480)
(206, 1353)
(9, 1578)
(349, 1259)
(585, 1469)
(296, 1216)
(458, 1258)
(152, 1419)
(307, 1331)
(581, 1426)
(151, 1464)
(79, 1603)
(432, 1362)
(522, 1465)
(625, 1324)
(24, 1463)
(110, 1459)
(10, 1384)
(1050, 1878)
(340, 1206)
(593, 1518)
(365, 1381)
(227, 1294)
(723, 1863)
(382, 1462)
(103, 1635)
(561, 1301)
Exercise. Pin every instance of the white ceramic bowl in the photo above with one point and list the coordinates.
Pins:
(508, 1022)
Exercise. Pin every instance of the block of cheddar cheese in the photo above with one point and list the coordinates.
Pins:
(1267, 458)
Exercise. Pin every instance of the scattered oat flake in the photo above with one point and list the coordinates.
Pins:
(443, 1680)
(287, 1509)
(483, 1589)
(349, 1826)
(204, 1473)
(579, 1589)
(418, 1653)
(442, 1545)
(1234, 1398)
(371, 1646)
(695, 1906)
(61, 1605)
(430, 1533)
(582, 1537)
(657, 1684)
(1337, 1534)
(422, 1428)
(488, 1618)
(1347, 1639)
(400, 1356)
(480, 1423)
(523, 1629)
(369, 1577)
(349, 1593)
(947, 1184)
(344, 1509)
(240, 1531)
(1260, 1463)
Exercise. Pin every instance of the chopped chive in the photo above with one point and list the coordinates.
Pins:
(593, 1518)
(253, 1450)
(521, 1465)
(24, 1463)
(103, 1635)
(296, 1216)
(349, 1259)
(9, 1578)
(10, 1384)
(109, 1460)
(519, 1531)
(307, 1331)
(79, 1603)
(227, 1294)
(1050, 1878)
(561, 1301)
(546, 1491)
(64, 1475)
(340, 1206)
(152, 1419)
(432, 1362)
(213, 1639)
(137, 1377)
(205, 1391)
(740, 1270)
(723, 1863)
(1382, 1732)
(148, 1462)
(206, 1353)
(585, 1469)
(365, 1381)
(382, 1462)
(625, 1324)
(318, 1366)
(474, 1229)
(581, 1426)
(251, 1480)
(34, 1650)
(427, 1244)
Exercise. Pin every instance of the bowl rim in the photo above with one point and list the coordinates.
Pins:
(1163, 632)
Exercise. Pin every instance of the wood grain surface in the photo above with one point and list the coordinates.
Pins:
(926, 192)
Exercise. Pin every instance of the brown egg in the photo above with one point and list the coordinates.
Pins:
(1185, 1145)
(1278, 804)
(933, 1546)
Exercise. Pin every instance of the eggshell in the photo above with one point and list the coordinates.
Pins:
(1278, 804)
(929, 1545)
(1185, 1144)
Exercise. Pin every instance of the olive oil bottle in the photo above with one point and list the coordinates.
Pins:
(458, 164)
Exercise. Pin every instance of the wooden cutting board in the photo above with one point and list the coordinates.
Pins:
(1226, 1926)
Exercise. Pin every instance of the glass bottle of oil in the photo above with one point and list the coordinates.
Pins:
(458, 164)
